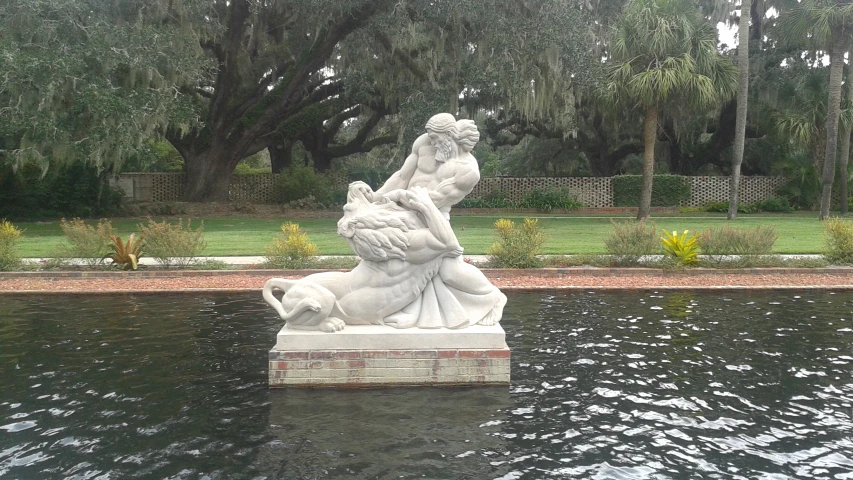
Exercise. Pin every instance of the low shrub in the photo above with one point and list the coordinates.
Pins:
(9, 237)
(775, 205)
(89, 243)
(517, 247)
(494, 199)
(718, 242)
(291, 249)
(301, 181)
(173, 244)
(723, 207)
(681, 248)
(550, 199)
(630, 241)
(772, 205)
(838, 241)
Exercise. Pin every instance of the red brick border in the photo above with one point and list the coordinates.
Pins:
(372, 368)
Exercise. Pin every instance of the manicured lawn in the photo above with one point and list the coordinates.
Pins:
(798, 232)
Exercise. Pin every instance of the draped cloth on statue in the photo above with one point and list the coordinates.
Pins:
(449, 304)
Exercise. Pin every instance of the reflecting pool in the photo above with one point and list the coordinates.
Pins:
(605, 385)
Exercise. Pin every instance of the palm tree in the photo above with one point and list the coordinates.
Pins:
(826, 25)
(663, 55)
(799, 110)
(844, 151)
(742, 94)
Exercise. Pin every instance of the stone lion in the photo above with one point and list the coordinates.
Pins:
(401, 242)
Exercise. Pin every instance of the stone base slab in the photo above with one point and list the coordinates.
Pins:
(383, 337)
(372, 356)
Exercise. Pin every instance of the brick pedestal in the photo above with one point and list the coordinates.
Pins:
(365, 356)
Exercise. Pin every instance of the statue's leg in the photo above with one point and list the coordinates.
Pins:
(455, 273)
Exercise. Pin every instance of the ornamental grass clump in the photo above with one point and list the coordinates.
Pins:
(173, 245)
(291, 249)
(90, 244)
(838, 241)
(9, 237)
(631, 241)
(517, 247)
(718, 243)
(684, 250)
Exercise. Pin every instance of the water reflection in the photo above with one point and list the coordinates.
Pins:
(630, 385)
(385, 433)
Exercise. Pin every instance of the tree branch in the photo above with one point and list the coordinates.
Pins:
(228, 78)
(402, 57)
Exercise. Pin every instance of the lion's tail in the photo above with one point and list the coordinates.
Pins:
(284, 285)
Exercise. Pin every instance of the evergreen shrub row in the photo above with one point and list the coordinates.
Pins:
(75, 190)
(667, 190)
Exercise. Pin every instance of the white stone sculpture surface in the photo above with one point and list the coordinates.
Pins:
(412, 273)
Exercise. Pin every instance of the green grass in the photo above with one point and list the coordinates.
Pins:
(798, 232)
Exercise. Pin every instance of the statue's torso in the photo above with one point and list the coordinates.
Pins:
(431, 172)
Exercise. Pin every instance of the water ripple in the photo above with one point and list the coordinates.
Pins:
(628, 386)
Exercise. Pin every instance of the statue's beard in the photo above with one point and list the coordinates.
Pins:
(443, 151)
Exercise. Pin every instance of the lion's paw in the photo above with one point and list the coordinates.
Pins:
(332, 325)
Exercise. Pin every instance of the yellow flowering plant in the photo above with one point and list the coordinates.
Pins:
(291, 249)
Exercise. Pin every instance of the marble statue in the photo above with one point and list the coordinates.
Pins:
(412, 273)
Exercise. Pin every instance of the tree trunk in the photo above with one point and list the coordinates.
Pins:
(650, 126)
(836, 71)
(844, 153)
(322, 163)
(208, 177)
(843, 158)
(740, 118)
(281, 156)
(758, 12)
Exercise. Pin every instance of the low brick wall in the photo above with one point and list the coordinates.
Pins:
(373, 368)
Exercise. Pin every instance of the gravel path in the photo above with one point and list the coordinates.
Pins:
(503, 279)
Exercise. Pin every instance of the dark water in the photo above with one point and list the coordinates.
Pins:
(628, 385)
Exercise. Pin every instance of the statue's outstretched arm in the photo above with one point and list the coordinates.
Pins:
(435, 240)
(400, 179)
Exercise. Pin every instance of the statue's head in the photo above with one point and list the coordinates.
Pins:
(441, 130)
(467, 135)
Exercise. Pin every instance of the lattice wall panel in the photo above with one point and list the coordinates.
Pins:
(167, 187)
(259, 188)
(716, 189)
(593, 192)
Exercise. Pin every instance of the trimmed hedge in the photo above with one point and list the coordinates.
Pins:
(667, 190)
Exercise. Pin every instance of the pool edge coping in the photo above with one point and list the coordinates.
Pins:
(518, 289)
(489, 272)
